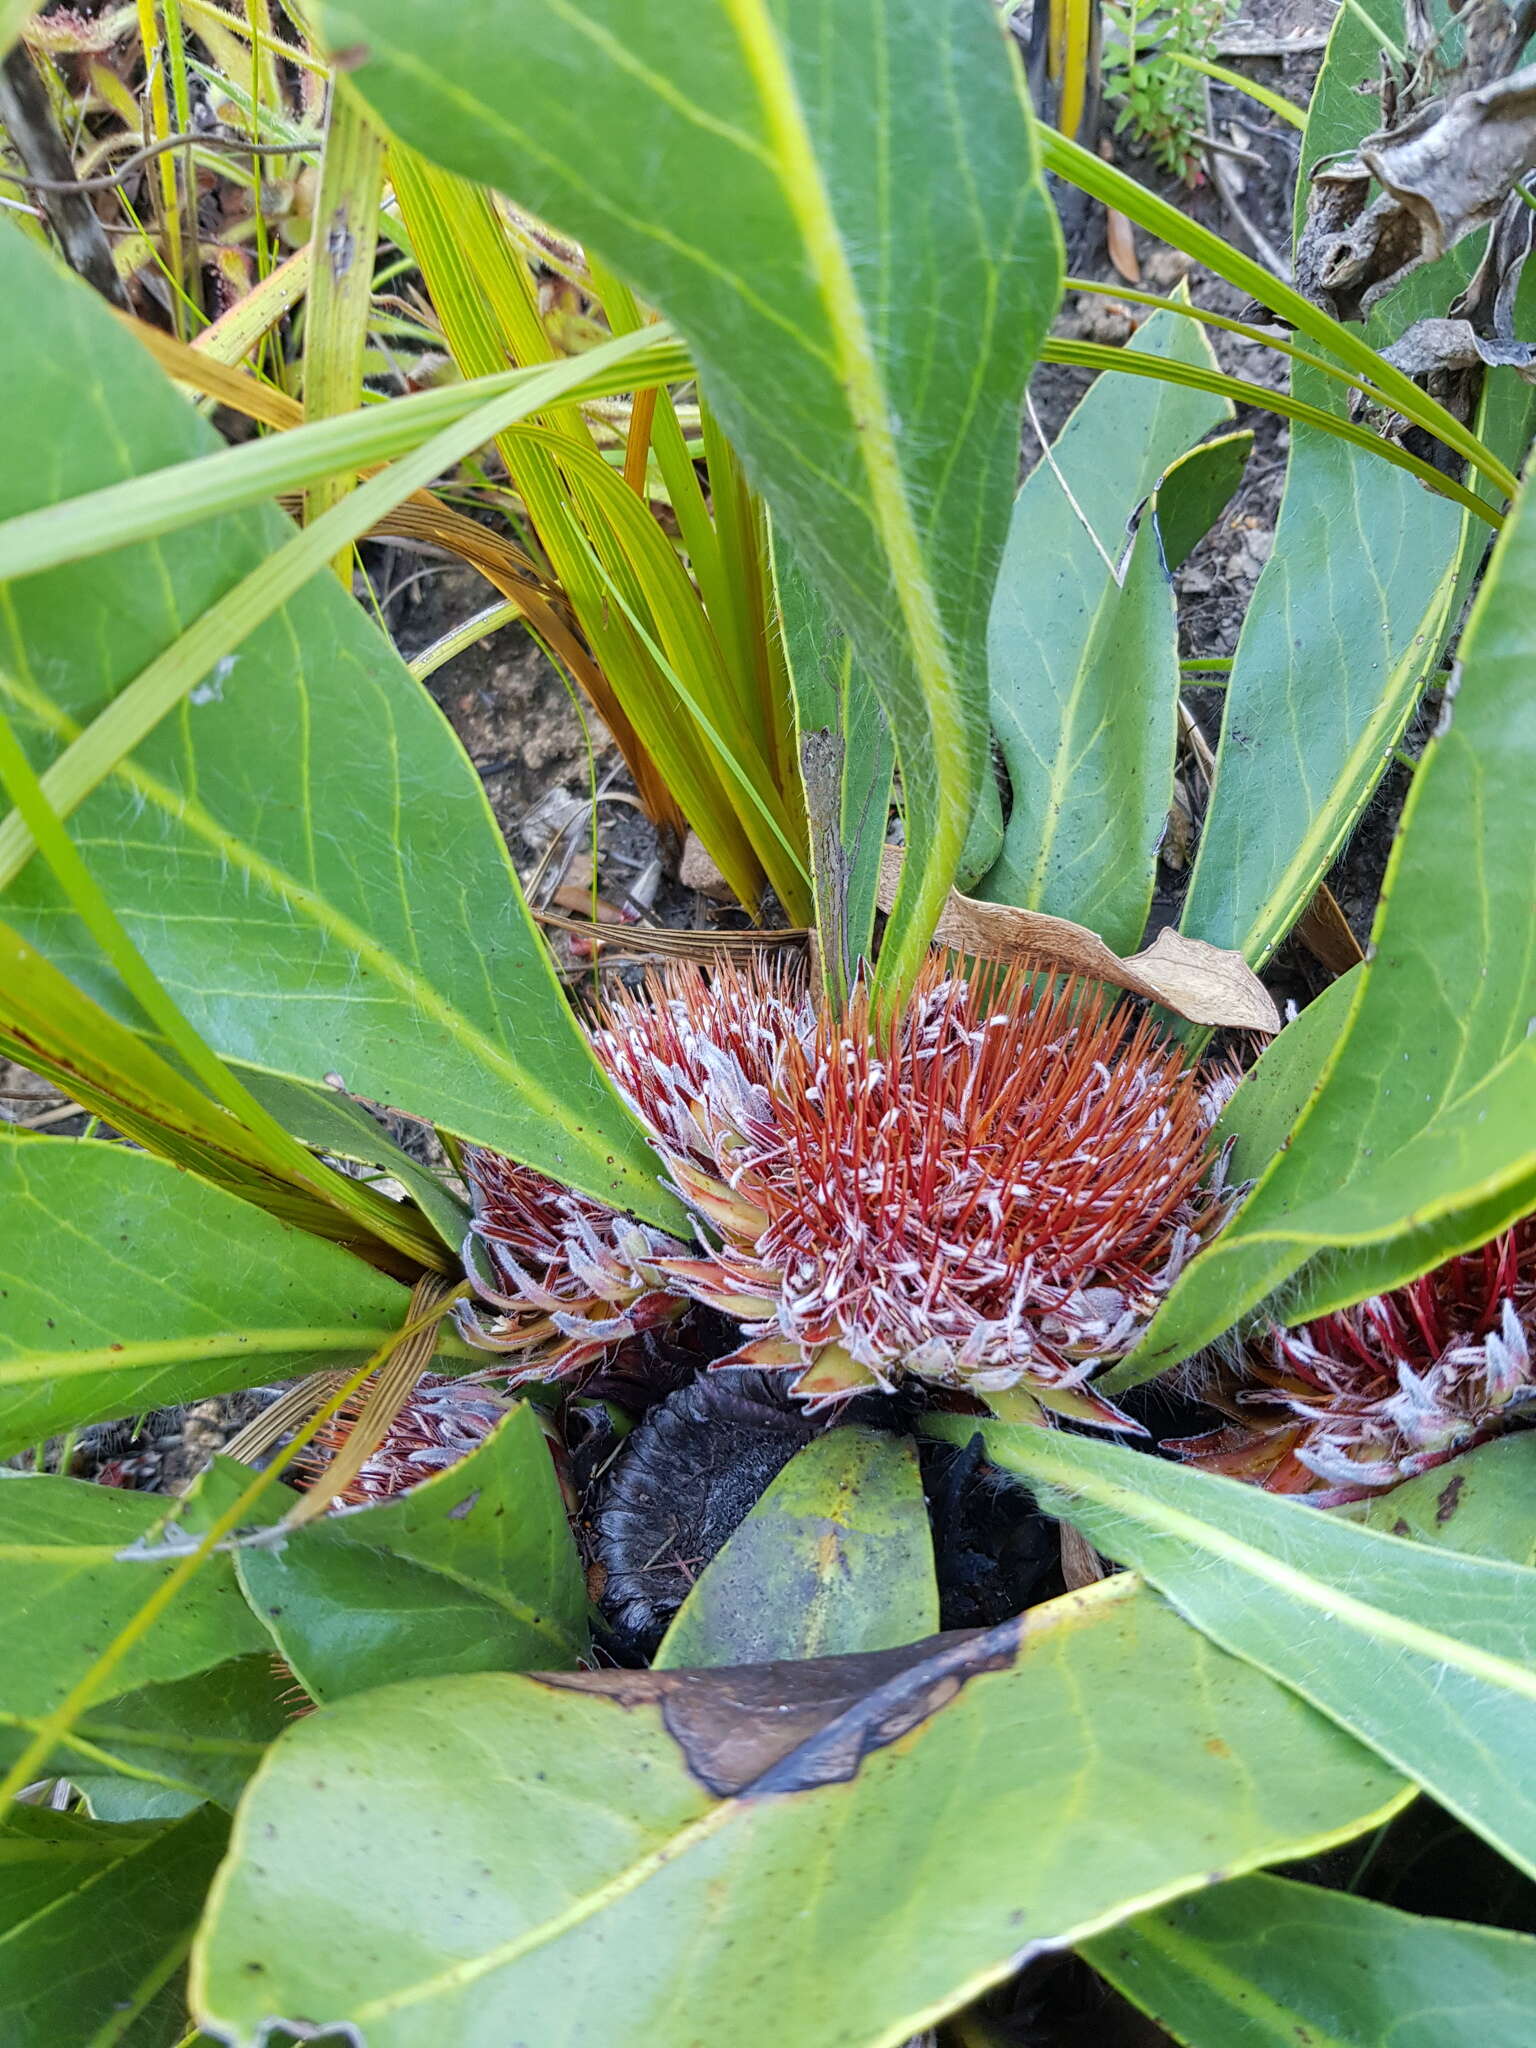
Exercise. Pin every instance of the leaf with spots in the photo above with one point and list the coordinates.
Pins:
(835, 1557)
(694, 1848)
(473, 1569)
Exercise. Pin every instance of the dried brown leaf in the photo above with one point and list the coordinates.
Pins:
(1206, 984)
(1120, 238)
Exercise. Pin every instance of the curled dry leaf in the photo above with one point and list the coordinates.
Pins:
(1206, 984)
(1452, 168)
(1446, 169)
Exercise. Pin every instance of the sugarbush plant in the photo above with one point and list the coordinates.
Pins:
(588, 1641)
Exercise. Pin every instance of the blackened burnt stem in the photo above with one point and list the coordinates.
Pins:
(34, 135)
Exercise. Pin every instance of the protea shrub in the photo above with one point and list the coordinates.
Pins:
(1352, 1403)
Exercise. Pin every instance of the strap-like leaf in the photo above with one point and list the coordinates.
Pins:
(1427, 1655)
(863, 311)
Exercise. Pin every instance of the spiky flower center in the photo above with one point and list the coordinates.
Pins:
(1371, 1395)
(998, 1189)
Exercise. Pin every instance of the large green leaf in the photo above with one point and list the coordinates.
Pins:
(885, 1835)
(1272, 1964)
(301, 851)
(1279, 1084)
(66, 1590)
(863, 311)
(1483, 1502)
(158, 1752)
(1347, 619)
(474, 1569)
(1428, 1655)
(1084, 651)
(126, 1284)
(1421, 1139)
(94, 1924)
(835, 1557)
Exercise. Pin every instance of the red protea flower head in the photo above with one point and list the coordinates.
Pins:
(996, 1191)
(1359, 1400)
(566, 1277)
(442, 1421)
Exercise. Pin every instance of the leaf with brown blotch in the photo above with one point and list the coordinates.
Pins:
(1207, 984)
(582, 1827)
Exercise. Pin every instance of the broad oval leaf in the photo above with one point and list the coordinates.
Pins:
(473, 1569)
(1084, 651)
(737, 160)
(554, 1834)
(94, 1923)
(66, 1590)
(1422, 1139)
(834, 1558)
(125, 1285)
(301, 851)
(1274, 1964)
(1427, 1655)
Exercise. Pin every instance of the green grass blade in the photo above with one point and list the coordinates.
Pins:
(1115, 188)
(186, 492)
(1093, 355)
(341, 289)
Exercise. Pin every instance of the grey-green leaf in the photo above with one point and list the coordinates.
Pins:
(1424, 1131)
(1083, 646)
(749, 166)
(1273, 1964)
(1346, 621)
(846, 760)
(473, 1569)
(835, 1557)
(301, 850)
(126, 1284)
(937, 1816)
(1427, 1655)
